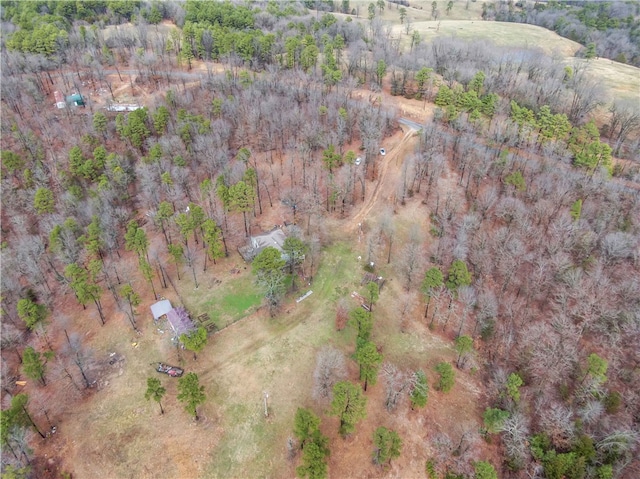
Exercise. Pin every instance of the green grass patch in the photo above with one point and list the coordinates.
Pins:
(282, 362)
(340, 272)
(250, 447)
(226, 303)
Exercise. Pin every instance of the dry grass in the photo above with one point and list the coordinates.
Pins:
(117, 433)
(500, 33)
(129, 438)
(619, 80)
(420, 10)
(130, 29)
(462, 9)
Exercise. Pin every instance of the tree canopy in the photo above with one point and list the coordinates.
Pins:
(388, 445)
(369, 360)
(191, 393)
(459, 275)
(195, 341)
(155, 391)
(349, 404)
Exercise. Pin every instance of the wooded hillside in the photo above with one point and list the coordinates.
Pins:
(475, 305)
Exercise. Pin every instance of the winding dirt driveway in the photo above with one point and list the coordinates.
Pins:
(389, 170)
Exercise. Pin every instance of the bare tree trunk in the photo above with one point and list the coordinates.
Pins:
(78, 362)
(33, 423)
(100, 312)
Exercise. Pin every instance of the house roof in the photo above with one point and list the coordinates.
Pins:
(161, 308)
(60, 103)
(180, 321)
(75, 98)
(273, 238)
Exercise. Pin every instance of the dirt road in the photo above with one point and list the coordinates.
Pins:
(388, 173)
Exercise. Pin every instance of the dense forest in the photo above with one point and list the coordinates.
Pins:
(508, 223)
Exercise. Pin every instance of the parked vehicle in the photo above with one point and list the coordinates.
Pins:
(173, 371)
(383, 151)
(358, 161)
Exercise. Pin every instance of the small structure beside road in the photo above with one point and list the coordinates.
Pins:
(75, 99)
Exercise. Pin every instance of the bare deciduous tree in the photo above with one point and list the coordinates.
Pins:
(557, 422)
(625, 117)
(515, 433)
(411, 259)
(587, 95)
(388, 229)
(330, 369)
(79, 355)
(395, 382)
(468, 298)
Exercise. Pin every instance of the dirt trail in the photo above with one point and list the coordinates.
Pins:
(386, 179)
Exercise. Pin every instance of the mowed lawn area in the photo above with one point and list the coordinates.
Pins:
(235, 297)
(261, 356)
(255, 355)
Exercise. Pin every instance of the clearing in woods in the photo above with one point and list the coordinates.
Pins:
(620, 80)
(253, 357)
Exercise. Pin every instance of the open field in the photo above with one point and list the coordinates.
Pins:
(420, 10)
(274, 356)
(226, 301)
(501, 33)
(620, 79)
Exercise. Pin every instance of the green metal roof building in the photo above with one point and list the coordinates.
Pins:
(75, 99)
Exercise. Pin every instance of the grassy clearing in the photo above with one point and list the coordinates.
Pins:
(240, 363)
(462, 9)
(340, 269)
(420, 10)
(127, 435)
(500, 33)
(225, 303)
(619, 80)
(277, 356)
(161, 29)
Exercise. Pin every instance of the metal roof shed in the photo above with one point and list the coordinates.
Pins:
(161, 308)
(60, 103)
(75, 99)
